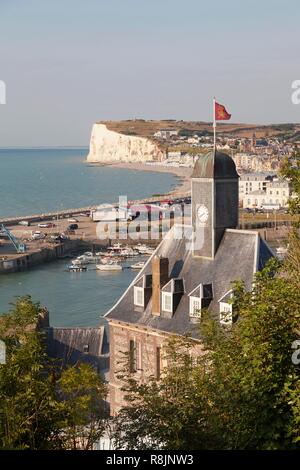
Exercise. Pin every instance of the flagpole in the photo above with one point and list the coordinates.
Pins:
(214, 123)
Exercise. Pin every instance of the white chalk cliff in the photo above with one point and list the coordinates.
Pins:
(109, 146)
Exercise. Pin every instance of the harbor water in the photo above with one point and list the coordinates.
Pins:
(43, 180)
(72, 298)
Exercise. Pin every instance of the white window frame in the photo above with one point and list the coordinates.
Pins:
(193, 301)
(136, 292)
(169, 296)
(225, 313)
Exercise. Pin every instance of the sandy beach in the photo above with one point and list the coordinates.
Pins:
(183, 183)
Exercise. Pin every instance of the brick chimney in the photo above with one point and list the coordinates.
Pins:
(160, 277)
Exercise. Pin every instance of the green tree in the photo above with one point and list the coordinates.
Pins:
(165, 413)
(82, 395)
(27, 399)
(41, 405)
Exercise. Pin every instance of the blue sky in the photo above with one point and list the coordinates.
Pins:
(68, 63)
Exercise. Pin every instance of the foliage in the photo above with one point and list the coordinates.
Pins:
(27, 401)
(82, 394)
(41, 406)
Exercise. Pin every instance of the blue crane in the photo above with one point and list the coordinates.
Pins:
(20, 247)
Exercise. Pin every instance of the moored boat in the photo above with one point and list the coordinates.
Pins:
(77, 268)
(109, 267)
(138, 265)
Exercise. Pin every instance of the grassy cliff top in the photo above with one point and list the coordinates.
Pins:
(146, 128)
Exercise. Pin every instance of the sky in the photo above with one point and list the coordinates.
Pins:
(69, 63)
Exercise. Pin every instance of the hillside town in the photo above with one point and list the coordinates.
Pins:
(258, 162)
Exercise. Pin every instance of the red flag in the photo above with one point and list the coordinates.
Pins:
(221, 113)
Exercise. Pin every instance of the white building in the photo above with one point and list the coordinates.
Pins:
(165, 133)
(275, 196)
(250, 182)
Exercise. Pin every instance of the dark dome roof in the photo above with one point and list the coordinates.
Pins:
(215, 165)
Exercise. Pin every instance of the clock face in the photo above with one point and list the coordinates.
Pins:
(202, 214)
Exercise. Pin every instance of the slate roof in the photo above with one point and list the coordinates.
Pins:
(240, 254)
(215, 165)
(68, 346)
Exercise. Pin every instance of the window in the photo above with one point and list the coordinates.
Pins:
(225, 313)
(167, 302)
(195, 307)
(158, 363)
(226, 317)
(139, 296)
(134, 355)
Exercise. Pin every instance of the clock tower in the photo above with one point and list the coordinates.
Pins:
(215, 202)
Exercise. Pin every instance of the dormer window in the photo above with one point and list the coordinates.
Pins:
(200, 298)
(226, 309)
(167, 302)
(195, 307)
(171, 295)
(139, 296)
(142, 291)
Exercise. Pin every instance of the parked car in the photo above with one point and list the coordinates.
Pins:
(38, 235)
(72, 219)
(46, 225)
(73, 227)
(60, 237)
(26, 223)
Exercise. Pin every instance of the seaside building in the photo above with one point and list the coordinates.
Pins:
(192, 269)
(250, 182)
(275, 195)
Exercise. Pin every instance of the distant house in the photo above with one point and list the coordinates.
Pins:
(250, 182)
(165, 133)
(191, 270)
(275, 196)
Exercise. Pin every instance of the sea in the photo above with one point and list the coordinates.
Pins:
(43, 180)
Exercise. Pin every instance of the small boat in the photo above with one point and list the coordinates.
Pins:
(79, 261)
(76, 268)
(141, 248)
(109, 267)
(144, 249)
(115, 248)
(138, 265)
